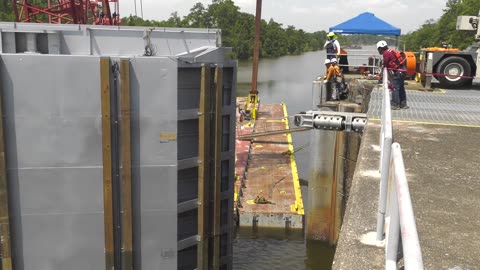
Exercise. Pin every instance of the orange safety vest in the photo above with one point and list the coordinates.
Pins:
(333, 71)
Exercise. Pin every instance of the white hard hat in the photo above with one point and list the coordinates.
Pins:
(333, 60)
(327, 61)
(381, 44)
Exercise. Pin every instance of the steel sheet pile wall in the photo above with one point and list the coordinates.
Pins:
(75, 125)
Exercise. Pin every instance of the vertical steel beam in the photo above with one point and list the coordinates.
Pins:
(476, 79)
(336, 181)
(74, 12)
(127, 238)
(107, 161)
(106, 11)
(15, 10)
(5, 243)
(320, 187)
(345, 159)
(256, 47)
(204, 126)
(217, 193)
(49, 6)
(429, 70)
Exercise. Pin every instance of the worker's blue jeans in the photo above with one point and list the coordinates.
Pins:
(399, 97)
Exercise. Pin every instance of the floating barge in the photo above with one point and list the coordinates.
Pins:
(268, 193)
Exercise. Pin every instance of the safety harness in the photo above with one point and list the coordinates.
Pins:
(399, 62)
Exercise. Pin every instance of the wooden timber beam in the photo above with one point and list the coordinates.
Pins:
(204, 131)
(107, 162)
(125, 107)
(217, 192)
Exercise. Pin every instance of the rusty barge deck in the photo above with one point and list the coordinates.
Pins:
(268, 189)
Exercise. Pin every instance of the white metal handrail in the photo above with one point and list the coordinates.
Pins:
(402, 219)
(401, 211)
(386, 140)
(359, 60)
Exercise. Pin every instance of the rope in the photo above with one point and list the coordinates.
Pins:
(435, 74)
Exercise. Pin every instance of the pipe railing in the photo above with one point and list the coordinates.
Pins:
(386, 140)
(402, 218)
(358, 60)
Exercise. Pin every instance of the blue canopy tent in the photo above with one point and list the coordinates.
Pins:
(366, 23)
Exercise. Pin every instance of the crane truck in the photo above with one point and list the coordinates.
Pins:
(453, 68)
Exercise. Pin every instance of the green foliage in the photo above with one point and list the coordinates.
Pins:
(432, 33)
(6, 13)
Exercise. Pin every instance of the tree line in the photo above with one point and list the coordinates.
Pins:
(6, 13)
(433, 32)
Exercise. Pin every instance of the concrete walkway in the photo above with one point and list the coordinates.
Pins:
(439, 136)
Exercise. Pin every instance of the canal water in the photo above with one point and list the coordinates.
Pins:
(289, 80)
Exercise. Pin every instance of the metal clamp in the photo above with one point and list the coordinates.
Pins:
(336, 121)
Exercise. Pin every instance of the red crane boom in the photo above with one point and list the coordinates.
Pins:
(67, 11)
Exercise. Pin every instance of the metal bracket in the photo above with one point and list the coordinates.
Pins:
(335, 121)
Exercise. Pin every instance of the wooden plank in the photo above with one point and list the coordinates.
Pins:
(5, 243)
(127, 234)
(203, 169)
(217, 192)
(107, 161)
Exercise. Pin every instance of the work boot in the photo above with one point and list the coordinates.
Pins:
(404, 106)
(395, 107)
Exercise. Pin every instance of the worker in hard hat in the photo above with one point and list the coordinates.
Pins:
(327, 66)
(395, 63)
(332, 46)
(333, 79)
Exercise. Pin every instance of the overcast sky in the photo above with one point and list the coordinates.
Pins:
(309, 15)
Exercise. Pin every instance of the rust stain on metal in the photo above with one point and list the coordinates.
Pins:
(320, 229)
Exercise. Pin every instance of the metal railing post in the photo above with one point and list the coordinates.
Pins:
(391, 247)
(385, 106)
